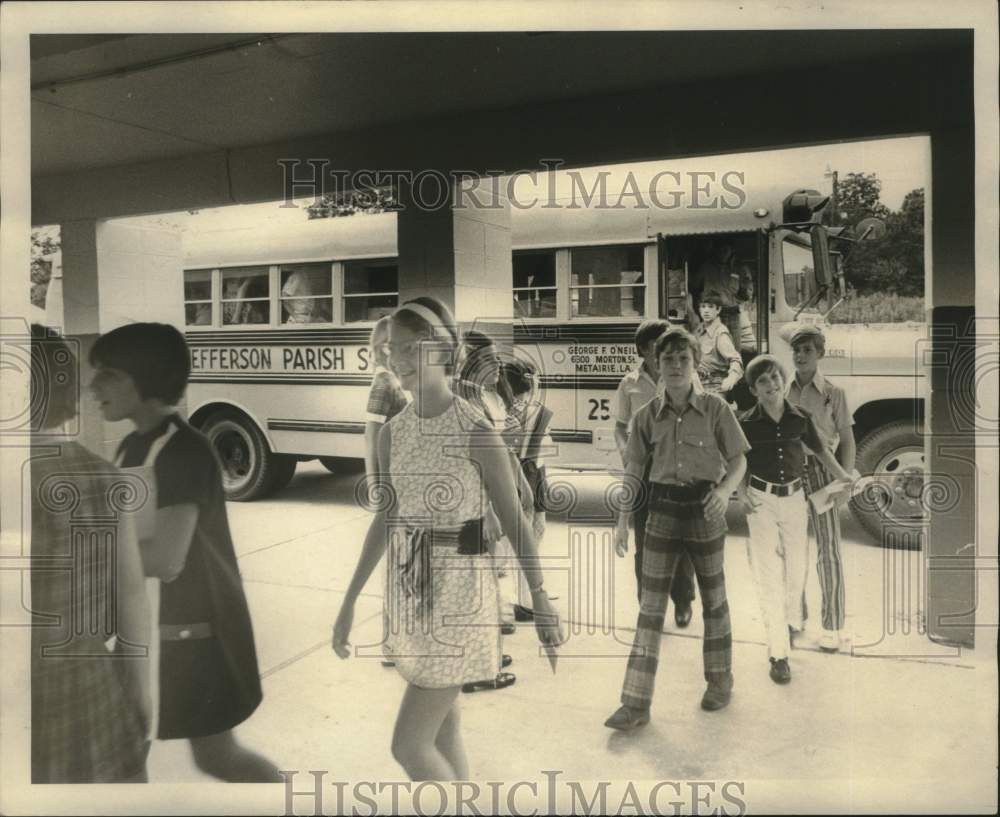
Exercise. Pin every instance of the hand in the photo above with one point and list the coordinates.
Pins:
(546, 620)
(716, 501)
(747, 501)
(492, 531)
(342, 629)
(527, 499)
(621, 540)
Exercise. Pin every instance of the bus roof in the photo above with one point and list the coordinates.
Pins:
(215, 241)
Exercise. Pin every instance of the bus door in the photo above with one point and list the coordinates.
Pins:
(673, 277)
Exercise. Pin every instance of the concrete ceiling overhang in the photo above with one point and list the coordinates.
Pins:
(152, 107)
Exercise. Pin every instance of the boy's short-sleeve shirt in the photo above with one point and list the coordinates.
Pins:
(386, 397)
(827, 404)
(689, 443)
(635, 390)
(777, 451)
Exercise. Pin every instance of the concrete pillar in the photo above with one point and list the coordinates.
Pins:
(459, 254)
(951, 409)
(114, 273)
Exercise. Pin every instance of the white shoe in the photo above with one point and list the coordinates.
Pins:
(829, 641)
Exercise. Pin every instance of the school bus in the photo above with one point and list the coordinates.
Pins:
(278, 318)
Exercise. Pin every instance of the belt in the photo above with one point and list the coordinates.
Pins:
(185, 632)
(776, 488)
(415, 572)
(680, 493)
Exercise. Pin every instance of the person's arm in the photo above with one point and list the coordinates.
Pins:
(631, 478)
(717, 500)
(372, 429)
(847, 449)
(489, 452)
(164, 553)
(728, 350)
(621, 439)
(133, 619)
(371, 551)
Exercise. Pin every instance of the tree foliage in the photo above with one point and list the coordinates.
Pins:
(895, 263)
(44, 242)
(353, 202)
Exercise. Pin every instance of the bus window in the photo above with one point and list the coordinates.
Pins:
(534, 284)
(306, 293)
(198, 297)
(797, 261)
(245, 296)
(371, 289)
(607, 282)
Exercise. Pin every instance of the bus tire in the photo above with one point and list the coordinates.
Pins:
(282, 472)
(342, 465)
(248, 466)
(891, 510)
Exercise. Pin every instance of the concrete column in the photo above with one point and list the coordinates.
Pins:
(459, 254)
(114, 273)
(951, 408)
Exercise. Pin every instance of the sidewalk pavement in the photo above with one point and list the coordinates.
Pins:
(896, 713)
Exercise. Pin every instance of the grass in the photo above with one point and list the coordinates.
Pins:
(879, 307)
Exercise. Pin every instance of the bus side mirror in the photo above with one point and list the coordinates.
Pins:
(870, 229)
(822, 264)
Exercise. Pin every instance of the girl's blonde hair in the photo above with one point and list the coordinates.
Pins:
(380, 335)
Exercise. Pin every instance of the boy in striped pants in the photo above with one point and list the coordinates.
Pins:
(827, 405)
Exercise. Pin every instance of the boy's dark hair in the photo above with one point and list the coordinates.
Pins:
(154, 355)
(54, 388)
(812, 334)
(712, 297)
(419, 325)
(649, 331)
(762, 364)
(675, 339)
(519, 374)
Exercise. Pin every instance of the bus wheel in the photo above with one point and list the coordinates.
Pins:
(283, 471)
(342, 465)
(248, 466)
(892, 509)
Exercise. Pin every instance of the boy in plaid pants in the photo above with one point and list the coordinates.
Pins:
(696, 454)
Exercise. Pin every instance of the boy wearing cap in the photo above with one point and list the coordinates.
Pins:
(780, 436)
(697, 458)
(827, 404)
(636, 389)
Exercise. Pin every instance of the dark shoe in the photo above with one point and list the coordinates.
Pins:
(508, 628)
(506, 661)
(626, 719)
(682, 615)
(780, 671)
(522, 613)
(717, 694)
(503, 680)
(388, 663)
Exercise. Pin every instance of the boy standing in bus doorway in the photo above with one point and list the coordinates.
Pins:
(698, 459)
(719, 273)
(827, 404)
(636, 389)
(721, 364)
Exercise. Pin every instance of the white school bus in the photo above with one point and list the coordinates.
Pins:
(278, 319)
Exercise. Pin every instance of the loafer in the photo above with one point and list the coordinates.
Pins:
(626, 719)
(508, 628)
(781, 673)
(505, 661)
(829, 641)
(522, 613)
(682, 615)
(718, 694)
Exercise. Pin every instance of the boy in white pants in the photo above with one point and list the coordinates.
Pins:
(780, 435)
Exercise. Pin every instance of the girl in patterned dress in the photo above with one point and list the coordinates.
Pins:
(441, 466)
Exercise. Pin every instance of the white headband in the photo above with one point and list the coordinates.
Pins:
(428, 315)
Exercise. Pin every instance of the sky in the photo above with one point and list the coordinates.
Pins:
(901, 164)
